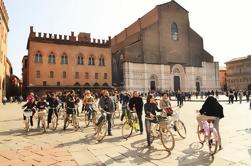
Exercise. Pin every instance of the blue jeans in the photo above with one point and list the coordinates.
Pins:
(148, 131)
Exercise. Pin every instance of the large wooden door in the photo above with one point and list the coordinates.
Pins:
(197, 86)
(176, 81)
(152, 86)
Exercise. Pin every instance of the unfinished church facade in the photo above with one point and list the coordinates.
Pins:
(160, 51)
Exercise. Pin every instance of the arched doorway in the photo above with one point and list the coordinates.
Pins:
(197, 86)
(153, 83)
(176, 83)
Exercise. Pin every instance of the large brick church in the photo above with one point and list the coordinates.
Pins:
(160, 51)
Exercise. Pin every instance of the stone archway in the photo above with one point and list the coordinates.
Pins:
(153, 82)
(178, 73)
(198, 83)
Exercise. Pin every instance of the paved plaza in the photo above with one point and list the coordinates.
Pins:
(72, 147)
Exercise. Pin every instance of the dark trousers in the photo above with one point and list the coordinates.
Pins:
(139, 114)
(50, 114)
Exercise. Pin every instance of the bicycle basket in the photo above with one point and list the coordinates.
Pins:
(163, 123)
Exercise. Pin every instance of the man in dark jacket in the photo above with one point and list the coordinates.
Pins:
(106, 104)
(136, 103)
(211, 110)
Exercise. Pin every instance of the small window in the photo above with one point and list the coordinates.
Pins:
(174, 31)
(96, 75)
(58, 83)
(86, 75)
(77, 75)
(44, 83)
(105, 75)
(64, 74)
(51, 74)
(38, 74)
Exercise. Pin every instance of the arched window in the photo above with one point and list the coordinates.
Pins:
(51, 59)
(101, 61)
(38, 57)
(80, 60)
(64, 59)
(91, 60)
(51, 74)
(64, 74)
(174, 31)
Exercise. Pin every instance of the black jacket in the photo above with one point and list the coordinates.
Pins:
(212, 107)
(138, 102)
(151, 108)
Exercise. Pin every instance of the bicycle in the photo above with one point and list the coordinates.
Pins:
(90, 116)
(72, 119)
(101, 129)
(130, 123)
(208, 134)
(160, 131)
(27, 114)
(176, 124)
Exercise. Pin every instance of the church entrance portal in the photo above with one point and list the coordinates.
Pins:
(197, 86)
(152, 86)
(176, 83)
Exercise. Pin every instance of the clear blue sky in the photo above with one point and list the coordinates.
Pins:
(224, 25)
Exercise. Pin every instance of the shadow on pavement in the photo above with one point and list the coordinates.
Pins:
(194, 155)
(138, 154)
(247, 130)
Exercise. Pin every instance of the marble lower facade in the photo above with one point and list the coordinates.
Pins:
(160, 77)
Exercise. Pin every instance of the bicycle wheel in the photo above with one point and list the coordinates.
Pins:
(86, 119)
(102, 130)
(201, 135)
(126, 130)
(151, 137)
(167, 139)
(54, 122)
(213, 145)
(180, 128)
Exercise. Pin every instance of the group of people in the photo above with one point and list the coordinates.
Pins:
(211, 109)
(233, 95)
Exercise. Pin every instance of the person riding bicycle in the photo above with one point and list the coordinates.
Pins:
(150, 108)
(88, 103)
(70, 106)
(105, 103)
(53, 104)
(136, 103)
(211, 110)
(41, 106)
(165, 104)
(30, 106)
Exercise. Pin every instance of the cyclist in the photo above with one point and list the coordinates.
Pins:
(53, 104)
(165, 103)
(30, 105)
(105, 103)
(211, 110)
(136, 103)
(88, 103)
(150, 108)
(70, 106)
(41, 106)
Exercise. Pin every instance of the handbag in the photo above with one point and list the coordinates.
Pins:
(169, 111)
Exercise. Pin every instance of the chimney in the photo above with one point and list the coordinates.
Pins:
(31, 29)
(50, 35)
(39, 34)
(94, 40)
(98, 41)
(45, 35)
(60, 37)
(72, 37)
(65, 37)
(55, 36)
